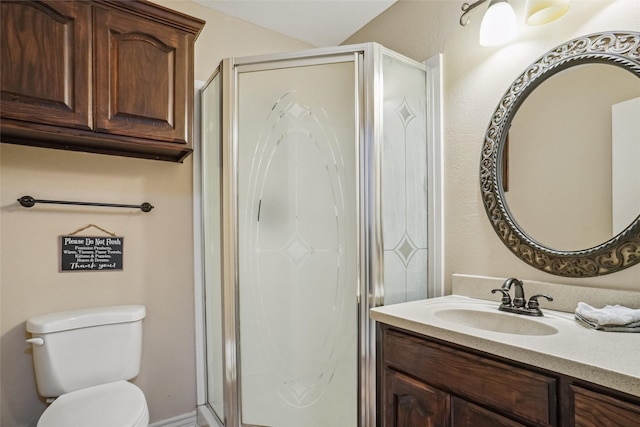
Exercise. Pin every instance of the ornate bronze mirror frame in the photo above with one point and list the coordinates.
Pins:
(620, 49)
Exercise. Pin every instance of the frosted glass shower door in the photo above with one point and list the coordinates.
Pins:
(297, 216)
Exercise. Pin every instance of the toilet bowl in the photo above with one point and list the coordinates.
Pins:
(83, 359)
(119, 404)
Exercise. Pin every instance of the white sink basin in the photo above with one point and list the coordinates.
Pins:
(494, 321)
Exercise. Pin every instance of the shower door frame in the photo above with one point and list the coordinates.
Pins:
(367, 59)
(368, 266)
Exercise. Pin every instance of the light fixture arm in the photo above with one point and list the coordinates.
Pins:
(466, 8)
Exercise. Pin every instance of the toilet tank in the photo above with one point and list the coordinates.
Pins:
(81, 348)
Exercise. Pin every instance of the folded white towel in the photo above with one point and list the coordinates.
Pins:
(609, 315)
(631, 327)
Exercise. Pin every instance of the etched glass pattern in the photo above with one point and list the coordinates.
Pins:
(404, 182)
(297, 246)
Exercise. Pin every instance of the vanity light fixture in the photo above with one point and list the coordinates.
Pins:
(499, 24)
(539, 12)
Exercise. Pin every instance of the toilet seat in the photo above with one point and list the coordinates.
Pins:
(120, 404)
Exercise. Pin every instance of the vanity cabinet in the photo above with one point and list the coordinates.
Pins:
(431, 383)
(103, 76)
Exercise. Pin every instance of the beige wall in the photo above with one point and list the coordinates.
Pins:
(158, 249)
(475, 78)
(225, 36)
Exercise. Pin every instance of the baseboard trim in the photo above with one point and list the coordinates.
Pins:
(185, 420)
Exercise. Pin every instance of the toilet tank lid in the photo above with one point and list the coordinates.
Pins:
(84, 318)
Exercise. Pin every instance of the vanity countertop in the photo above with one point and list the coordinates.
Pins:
(611, 359)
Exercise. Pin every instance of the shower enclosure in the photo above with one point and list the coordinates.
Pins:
(314, 207)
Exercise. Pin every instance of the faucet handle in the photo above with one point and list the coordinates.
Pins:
(506, 298)
(533, 301)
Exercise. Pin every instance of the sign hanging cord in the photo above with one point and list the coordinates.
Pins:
(94, 226)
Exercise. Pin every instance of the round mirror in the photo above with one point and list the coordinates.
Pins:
(574, 133)
(560, 168)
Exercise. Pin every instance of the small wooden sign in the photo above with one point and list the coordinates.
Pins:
(90, 253)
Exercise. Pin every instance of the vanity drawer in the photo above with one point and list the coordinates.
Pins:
(527, 395)
(593, 409)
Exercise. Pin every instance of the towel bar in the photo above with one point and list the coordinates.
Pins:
(28, 201)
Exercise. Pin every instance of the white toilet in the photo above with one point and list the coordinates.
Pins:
(83, 358)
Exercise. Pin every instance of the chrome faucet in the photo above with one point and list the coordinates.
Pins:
(519, 303)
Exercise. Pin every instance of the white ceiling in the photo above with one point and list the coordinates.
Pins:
(320, 23)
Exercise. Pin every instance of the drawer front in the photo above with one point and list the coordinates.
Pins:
(593, 409)
(527, 395)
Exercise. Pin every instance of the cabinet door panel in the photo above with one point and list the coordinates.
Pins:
(465, 414)
(410, 403)
(593, 409)
(45, 65)
(133, 57)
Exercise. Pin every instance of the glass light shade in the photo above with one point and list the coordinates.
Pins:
(498, 24)
(539, 12)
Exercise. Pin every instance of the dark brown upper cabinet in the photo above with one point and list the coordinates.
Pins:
(109, 77)
(46, 63)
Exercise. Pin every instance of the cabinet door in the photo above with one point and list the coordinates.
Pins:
(465, 414)
(593, 409)
(143, 77)
(45, 67)
(411, 403)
